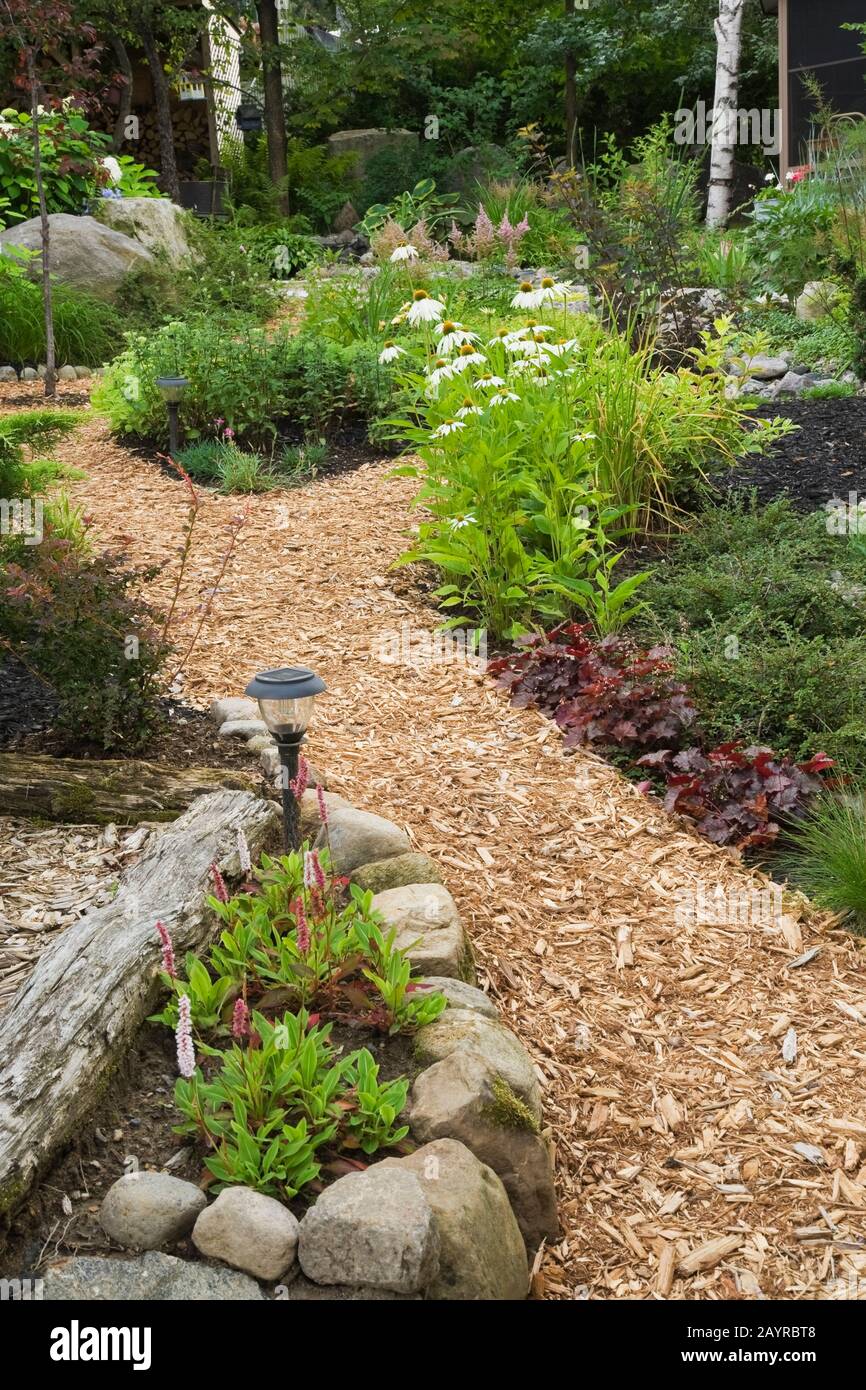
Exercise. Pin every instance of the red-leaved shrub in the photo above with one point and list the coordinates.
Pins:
(737, 796)
(599, 692)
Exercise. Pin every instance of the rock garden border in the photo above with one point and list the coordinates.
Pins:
(460, 1218)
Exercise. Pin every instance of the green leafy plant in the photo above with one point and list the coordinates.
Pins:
(86, 330)
(71, 156)
(420, 204)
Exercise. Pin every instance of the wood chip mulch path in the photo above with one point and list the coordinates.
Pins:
(705, 1084)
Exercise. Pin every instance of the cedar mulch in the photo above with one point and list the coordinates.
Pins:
(704, 1084)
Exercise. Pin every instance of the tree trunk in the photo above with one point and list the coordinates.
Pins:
(65, 1032)
(125, 103)
(729, 30)
(162, 103)
(47, 302)
(97, 791)
(275, 116)
(570, 95)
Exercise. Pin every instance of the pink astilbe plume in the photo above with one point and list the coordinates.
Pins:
(485, 234)
(183, 1037)
(511, 237)
(240, 1019)
(303, 928)
(298, 785)
(168, 963)
(219, 884)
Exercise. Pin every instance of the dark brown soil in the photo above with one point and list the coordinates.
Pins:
(187, 737)
(824, 458)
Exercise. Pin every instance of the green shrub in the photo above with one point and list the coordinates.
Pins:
(789, 239)
(253, 382)
(23, 435)
(799, 696)
(78, 621)
(759, 572)
(70, 154)
(827, 857)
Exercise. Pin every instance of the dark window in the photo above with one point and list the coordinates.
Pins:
(819, 46)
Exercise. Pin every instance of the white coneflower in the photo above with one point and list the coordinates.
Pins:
(424, 309)
(502, 397)
(488, 382)
(183, 1038)
(551, 289)
(391, 351)
(468, 408)
(527, 296)
(467, 357)
(458, 522)
(442, 371)
(582, 438)
(447, 427)
(454, 335)
(406, 252)
(530, 364)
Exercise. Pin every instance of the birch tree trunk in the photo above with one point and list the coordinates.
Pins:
(729, 36)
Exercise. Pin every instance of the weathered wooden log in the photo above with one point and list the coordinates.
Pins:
(96, 791)
(65, 1032)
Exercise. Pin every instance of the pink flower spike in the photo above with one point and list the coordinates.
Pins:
(303, 929)
(240, 1019)
(219, 884)
(183, 1037)
(298, 785)
(168, 963)
(323, 808)
(314, 874)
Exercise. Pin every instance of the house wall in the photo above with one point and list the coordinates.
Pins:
(812, 41)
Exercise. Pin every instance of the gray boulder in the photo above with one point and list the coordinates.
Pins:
(359, 837)
(462, 996)
(817, 300)
(249, 1231)
(242, 728)
(397, 872)
(84, 252)
(363, 144)
(157, 223)
(311, 821)
(761, 366)
(428, 927)
(464, 1030)
(372, 1229)
(149, 1278)
(481, 1249)
(8, 374)
(143, 1211)
(463, 1098)
(233, 707)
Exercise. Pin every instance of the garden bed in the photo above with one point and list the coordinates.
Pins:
(823, 459)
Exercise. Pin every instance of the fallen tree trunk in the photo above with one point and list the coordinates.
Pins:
(96, 791)
(65, 1032)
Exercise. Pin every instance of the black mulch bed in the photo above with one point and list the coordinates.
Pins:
(186, 738)
(824, 459)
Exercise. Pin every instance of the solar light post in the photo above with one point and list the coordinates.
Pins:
(286, 697)
(172, 388)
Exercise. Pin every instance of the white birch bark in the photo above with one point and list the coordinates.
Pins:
(729, 32)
